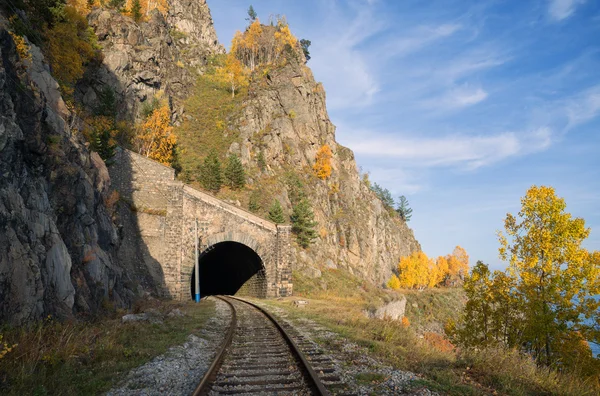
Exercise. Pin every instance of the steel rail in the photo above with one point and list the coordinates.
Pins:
(316, 383)
(211, 374)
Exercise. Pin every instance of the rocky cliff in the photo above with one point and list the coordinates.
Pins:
(285, 117)
(57, 239)
(141, 59)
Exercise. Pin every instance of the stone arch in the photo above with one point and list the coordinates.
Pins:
(234, 236)
(233, 263)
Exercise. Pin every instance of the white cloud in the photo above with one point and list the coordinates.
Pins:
(583, 107)
(456, 98)
(418, 38)
(562, 9)
(461, 151)
(337, 61)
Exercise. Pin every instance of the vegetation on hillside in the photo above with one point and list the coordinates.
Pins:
(322, 166)
(418, 271)
(338, 301)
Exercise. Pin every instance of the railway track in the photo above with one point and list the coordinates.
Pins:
(259, 357)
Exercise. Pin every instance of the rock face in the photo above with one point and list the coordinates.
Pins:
(57, 240)
(286, 118)
(143, 59)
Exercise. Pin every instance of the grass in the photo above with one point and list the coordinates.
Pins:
(54, 358)
(338, 300)
(212, 124)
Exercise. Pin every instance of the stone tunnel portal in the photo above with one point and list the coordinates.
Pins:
(230, 268)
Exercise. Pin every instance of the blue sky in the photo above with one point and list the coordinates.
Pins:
(460, 106)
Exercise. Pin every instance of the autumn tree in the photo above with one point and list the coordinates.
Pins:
(232, 74)
(303, 223)
(394, 282)
(276, 213)
(322, 166)
(557, 279)
(403, 210)
(413, 271)
(458, 266)
(156, 139)
(210, 173)
(70, 48)
(235, 177)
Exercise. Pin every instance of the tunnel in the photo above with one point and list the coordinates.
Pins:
(230, 268)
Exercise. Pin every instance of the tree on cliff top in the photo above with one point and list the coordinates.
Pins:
(403, 210)
(251, 14)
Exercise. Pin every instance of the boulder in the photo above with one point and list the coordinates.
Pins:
(393, 311)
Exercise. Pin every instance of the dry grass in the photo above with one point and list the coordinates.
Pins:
(339, 304)
(88, 358)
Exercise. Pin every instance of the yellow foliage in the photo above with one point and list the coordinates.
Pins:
(22, 46)
(322, 166)
(394, 283)
(263, 45)
(70, 48)
(284, 37)
(323, 232)
(458, 266)
(4, 347)
(156, 139)
(82, 6)
(147, 6)
(557, 279)
(414, 271)
(233, 74)
(405, 322)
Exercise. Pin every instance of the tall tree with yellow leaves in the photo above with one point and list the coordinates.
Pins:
(557, 279)
(156, 139)
(322, 166)
(414, 271)
(233, 74)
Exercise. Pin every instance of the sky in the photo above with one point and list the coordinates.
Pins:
(460, 106)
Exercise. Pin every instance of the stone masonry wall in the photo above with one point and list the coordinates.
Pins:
(159, 216)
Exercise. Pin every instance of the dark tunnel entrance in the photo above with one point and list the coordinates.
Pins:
(230, 268)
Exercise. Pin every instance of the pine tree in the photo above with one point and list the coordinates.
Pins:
(403, 209)
(210, 176)
(252, 15)
(260, 160)
(101, 134)
(108, 103)
(254, 201)
(303, 223)
(305, 44)
(235, 177)
(276, 213)
(136, 10)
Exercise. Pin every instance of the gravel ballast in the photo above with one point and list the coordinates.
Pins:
(180, 369)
